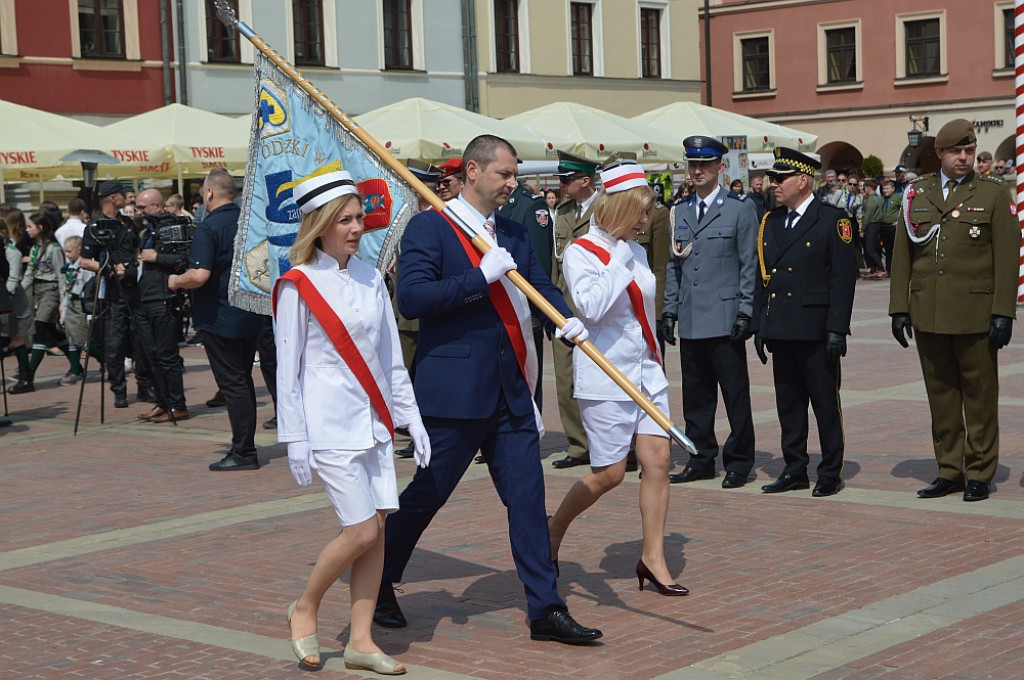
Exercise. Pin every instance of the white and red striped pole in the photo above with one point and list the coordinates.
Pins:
(1018, 63)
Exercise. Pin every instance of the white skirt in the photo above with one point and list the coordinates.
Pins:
(359, 483)
(610, 426)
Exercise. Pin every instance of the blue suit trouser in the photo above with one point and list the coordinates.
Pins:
(511, 447)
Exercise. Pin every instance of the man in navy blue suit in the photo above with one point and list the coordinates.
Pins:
(471, 383)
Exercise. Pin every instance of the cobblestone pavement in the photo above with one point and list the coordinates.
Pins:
(122, 556)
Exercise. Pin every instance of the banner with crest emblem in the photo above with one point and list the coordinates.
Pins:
(293, 137)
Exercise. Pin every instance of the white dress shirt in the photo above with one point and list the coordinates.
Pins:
(603, 305)
(319, 399)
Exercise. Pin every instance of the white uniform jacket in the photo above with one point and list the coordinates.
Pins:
(603, 305)
(319, 399)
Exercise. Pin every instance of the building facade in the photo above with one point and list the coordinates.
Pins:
(861, 74)
(103, 59)
(623, 56)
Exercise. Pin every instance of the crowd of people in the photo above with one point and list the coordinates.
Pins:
(454, 355)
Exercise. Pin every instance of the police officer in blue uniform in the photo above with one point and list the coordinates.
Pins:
(710, 292)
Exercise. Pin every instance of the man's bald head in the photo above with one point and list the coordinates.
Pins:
(149, 202)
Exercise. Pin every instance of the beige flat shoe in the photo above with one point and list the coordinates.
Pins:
(304, 647)
(378, 662)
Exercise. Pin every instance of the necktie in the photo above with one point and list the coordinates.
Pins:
(489, 226)
(700, 211)
(950, 186)
(578, 211)
(791, 218)
(885, 204)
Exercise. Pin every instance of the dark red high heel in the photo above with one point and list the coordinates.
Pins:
(674, 589)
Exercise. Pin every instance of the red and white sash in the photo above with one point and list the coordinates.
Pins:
(636, 296)
(509, 302)
(345, 329)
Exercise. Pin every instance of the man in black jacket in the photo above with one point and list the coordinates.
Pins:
(164, 252)
(802, 312)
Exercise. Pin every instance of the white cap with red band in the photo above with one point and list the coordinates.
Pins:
(623, 175)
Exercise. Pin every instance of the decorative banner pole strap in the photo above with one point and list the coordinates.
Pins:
(227, 16)
(636, 297)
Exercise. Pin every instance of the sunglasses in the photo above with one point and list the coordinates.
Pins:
(776, 178)
(447, 181)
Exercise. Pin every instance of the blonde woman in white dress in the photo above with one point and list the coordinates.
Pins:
(342, 389)
(613, 287)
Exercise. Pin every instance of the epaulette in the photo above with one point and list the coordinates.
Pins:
(922, 178)
(738, 197)
(990, 178)
(658, 205)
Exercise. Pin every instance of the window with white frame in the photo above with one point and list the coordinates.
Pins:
(105, 29)
(506, 36)
(921, 45)
(1003, 36)
(754, 63)
(581, 31)
(840, 54)
(8, 28)
(650, 42)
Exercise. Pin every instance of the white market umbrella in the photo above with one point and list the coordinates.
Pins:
(683, 119)
(33, 142)
(432, 131)
(598, 134)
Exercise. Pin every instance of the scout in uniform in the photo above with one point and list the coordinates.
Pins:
(710, 290)
(578, 176)
(808, 271)
(954, 284)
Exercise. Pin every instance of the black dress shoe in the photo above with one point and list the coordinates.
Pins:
(734, 480)
(941, 487)
(561, 627)
(388, 613)
(690, 474)
(217, 400)
(786, 482)
(407, 452)
(270, 424)
(569, 462)
(827, 486)
(120, 400)
(976, 491)
(233, 461)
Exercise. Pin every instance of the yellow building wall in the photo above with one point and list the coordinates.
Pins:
(545, 65)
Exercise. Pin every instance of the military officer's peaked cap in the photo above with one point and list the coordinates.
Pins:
(702, 148)
(790, 162)
(570, 164)
(424, 172)
(957, 132)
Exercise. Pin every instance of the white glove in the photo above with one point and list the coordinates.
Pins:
(496, 262)
(622, 253)
(573, 330)
(300, 460)
(420, 442)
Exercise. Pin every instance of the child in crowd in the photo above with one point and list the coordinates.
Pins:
(42, 279)
(72, 310)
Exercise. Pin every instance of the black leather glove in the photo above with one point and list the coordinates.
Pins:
(760, 346)
(667, 329)
(741, 329)
(835, 345)
(901, 328)
(1000, 331)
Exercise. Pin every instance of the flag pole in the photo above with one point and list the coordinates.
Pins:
(227, 16)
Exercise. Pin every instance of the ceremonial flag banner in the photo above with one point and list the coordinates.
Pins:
(293, 137)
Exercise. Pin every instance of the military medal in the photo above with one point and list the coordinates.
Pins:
(974, 231)
(956, 211)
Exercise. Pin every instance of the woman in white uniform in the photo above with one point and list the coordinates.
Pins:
(341, 390)
(614, 288)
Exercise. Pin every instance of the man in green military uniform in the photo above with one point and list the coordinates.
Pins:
(531, 211)
(954, 284)
(578, 176)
